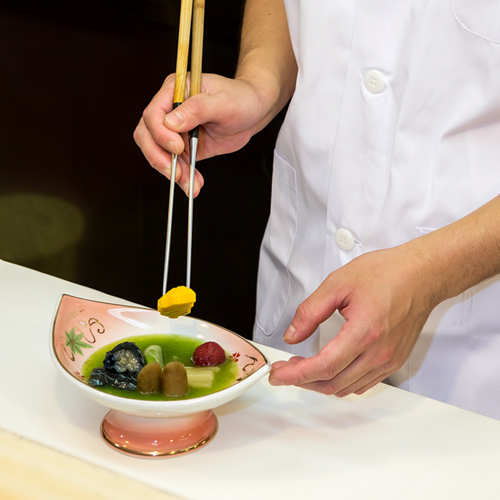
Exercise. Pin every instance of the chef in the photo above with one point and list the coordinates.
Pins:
(381, 256)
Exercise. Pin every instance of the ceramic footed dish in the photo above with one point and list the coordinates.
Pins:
(147, 428)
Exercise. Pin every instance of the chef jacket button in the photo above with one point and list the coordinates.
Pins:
(344, 239)
(374, 81)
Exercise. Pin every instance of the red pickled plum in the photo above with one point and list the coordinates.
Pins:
(209, 354)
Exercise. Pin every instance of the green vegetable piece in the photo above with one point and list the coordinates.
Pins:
(154, 353)
(201, 377)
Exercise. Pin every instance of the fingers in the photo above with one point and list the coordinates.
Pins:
(371, 384)
(308, 373)
(316, 309)
(158, 157)
(383, 313)
(293, 360)
(153, 119)
(193, 112)
(161, 160)
(329, 387)
(325, 366)
(316, 375)
(340, 387)
(342, 367)
(183, 180)
(228, 112)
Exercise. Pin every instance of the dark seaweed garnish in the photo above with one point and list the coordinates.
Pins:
(98, 377)
(121, 366)
(124, 358)
(123, 381)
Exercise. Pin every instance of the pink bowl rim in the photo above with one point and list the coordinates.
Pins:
(201, 403)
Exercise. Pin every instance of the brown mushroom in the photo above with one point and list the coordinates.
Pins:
(149, 378)
(174, 379)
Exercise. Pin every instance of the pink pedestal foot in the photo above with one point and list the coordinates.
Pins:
(147, 437)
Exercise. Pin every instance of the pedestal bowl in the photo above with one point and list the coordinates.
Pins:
(146, 428)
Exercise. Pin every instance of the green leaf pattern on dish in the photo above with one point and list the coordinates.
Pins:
(75, 343)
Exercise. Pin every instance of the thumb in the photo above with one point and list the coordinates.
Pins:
(196, 110)
(316, 309)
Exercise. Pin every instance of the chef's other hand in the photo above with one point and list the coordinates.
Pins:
(229, 112)
(385, 297)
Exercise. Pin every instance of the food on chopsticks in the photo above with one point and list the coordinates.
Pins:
(137, 368)
(177, 302)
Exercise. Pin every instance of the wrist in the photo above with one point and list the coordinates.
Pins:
(272, 90)
(460, 255)
(429, 269)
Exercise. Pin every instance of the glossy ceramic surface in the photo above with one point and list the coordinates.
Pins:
(146, 437)
(81, 326)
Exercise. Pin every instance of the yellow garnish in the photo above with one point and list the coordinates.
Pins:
(177, 302)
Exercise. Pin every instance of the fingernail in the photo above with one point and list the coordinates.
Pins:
(290, 333)
(174, 118)
(172, 147)
(185, 188)
(275, 381)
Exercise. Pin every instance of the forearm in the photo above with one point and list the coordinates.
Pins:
(462, 254)
(266, 58)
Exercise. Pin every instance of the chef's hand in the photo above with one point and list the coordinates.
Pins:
(385, 297)
(229, 111)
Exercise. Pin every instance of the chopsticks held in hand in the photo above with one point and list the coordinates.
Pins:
(195, 88)
(192, 12)
(179, 91)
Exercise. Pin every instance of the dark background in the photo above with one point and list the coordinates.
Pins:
(77, 198)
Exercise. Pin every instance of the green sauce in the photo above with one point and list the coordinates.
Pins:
(175, 348)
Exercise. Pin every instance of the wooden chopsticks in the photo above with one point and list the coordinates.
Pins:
(190, 10)
(182, 51)
(195, 88)
(197, 46)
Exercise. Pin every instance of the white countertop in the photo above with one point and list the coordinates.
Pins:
(273, 442)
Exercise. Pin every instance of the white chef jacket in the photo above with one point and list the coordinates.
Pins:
(393, 131)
